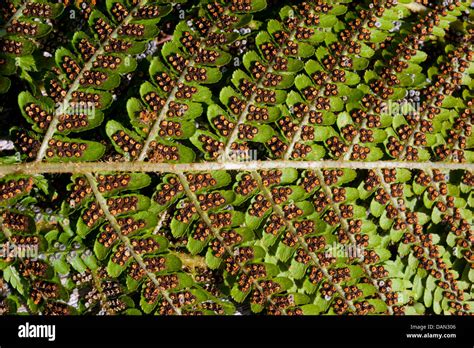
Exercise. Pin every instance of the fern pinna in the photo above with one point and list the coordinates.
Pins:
(26, 24)
(222, 157)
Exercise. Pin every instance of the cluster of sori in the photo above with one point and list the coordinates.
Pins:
(15, 188)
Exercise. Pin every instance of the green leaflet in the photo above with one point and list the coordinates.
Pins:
(11, 275)
(134, 203)
(39, 26)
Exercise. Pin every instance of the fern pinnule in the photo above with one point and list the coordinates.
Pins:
(191, 60)
(437, 98)
(84, 78)
(24, 23)
(271, 70)
(227, 249)
(294, 234)
(331, 72)
(104, 206)
(388, 296)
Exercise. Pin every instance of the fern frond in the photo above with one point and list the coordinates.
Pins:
(209, 157)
